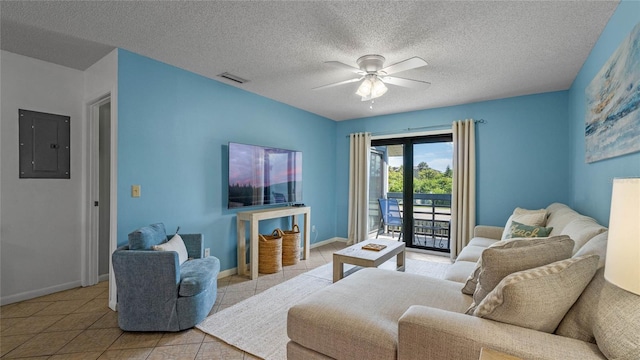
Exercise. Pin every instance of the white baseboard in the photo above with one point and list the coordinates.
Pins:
(328, 241)
(228, 272)
(27, 295)
(103, 277)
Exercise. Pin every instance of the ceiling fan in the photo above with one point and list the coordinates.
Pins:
(374, 76)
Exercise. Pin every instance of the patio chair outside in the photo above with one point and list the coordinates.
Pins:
(389, 215)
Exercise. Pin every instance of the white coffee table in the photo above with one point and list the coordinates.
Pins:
(355, 255)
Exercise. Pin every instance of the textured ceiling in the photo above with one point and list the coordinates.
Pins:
(476, 50)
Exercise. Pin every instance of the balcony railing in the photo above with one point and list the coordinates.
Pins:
(431, 220)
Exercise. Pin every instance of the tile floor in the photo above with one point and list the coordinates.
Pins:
(77, 323)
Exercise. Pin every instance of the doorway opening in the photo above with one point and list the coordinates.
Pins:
(422, 193)
(99, 192)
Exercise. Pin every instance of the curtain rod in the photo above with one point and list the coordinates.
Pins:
(431, 127)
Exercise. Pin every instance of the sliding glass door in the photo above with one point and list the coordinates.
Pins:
(418, 176)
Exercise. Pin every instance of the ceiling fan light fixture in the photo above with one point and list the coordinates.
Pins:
(364, 89)
(371, 88)
(378, 89)
(374, 76)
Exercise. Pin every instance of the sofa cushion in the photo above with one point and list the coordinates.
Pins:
(482, 242)
(500, 262)
(175, 244)
(459, 271)
(559, 216)
(198, 275)
(472, 280)
(520, 230)
(470, 253)
(596, 246)
(527, 217)
(357, 317)
(147, 236)
(539, 298)
(582, 229)
(608, 316)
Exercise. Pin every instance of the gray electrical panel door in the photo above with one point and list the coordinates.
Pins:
(44, 145)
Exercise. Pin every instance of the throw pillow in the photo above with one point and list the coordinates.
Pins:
(498, 263)
(520, 230)
(472, 281)
(527, 217)
(539, 298)
(175, 244)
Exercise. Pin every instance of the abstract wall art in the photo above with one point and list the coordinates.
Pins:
(612, 124)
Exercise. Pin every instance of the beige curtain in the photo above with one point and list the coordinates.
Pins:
(463, 196)
(358, 186)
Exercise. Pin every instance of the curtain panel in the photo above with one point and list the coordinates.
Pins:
(360, 143)
(463, 192)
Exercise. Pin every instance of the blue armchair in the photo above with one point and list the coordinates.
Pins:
(155, 292)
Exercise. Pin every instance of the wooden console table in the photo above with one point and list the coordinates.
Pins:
(254, 217)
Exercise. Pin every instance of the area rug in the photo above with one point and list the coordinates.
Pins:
(258, 325)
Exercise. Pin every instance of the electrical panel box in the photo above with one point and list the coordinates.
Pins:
(45, 149)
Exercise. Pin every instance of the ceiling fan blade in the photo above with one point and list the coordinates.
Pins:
(338, 83)
(345, 66)
(412, 63)
(409, 83)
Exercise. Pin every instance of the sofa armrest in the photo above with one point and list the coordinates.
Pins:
(194, 244)
(489, 232)
(430, 333)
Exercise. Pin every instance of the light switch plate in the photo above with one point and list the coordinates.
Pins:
(135, 191)
(207, 252)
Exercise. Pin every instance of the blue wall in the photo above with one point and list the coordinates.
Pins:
(522, 152)
(173, 131)
(591, 183)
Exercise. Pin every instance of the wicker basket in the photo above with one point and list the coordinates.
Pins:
(270, 253)
(291, 246)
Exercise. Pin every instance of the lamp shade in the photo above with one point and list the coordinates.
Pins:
(623, 245)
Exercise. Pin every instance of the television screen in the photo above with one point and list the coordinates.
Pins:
(261, 175)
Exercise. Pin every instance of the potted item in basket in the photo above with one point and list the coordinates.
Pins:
(270, 253)
(291, 246)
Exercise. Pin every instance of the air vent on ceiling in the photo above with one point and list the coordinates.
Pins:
(232, 77)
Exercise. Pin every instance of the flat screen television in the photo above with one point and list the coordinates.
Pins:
(260, 175)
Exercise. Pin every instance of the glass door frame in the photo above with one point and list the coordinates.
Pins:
(407, 176)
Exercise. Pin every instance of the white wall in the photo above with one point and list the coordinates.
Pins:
(41, 229)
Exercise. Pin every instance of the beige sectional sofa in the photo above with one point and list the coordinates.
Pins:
(381, 314)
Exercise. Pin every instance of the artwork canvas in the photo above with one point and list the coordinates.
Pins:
(613, 104)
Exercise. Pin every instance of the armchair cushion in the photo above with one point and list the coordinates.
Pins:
(148, 236)
(175, 244)
(196, 276)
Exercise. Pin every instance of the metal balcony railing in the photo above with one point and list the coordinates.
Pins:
(431, 220)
